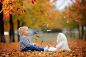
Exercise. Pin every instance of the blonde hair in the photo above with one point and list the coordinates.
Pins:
(21, 30)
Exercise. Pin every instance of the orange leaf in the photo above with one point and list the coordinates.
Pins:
(43, 31)
(61, 55)
(35, 38)
(52, 36)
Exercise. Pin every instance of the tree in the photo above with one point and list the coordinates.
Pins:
(11, 33)
(79, 10)
(1, 24)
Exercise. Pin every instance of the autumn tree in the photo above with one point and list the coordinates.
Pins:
(78, 9)
(1, 24)
(36, 13)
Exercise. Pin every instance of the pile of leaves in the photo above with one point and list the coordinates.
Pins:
(78, 49)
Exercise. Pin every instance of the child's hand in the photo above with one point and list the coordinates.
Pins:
(34, 44)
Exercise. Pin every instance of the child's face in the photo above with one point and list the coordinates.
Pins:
(26, 31)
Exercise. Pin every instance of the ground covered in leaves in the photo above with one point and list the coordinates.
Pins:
(78, 49)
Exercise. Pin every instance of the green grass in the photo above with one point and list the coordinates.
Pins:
(44, 37)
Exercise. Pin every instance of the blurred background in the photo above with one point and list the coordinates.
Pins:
(44, 19)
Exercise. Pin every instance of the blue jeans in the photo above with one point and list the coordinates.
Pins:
(32, 48)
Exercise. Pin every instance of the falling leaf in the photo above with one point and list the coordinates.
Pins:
(67, 21)
(42, 12)
(32, 1)
(43, 31)
(18, 13)
(47, 25)
(24, 10)
(37, 36)
(18, 8)
(50, 28)
(52, 36)
(21, 4)
(41, 41)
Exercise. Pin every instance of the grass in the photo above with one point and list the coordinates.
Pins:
(44, 37)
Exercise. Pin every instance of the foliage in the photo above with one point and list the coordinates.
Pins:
(78, 49)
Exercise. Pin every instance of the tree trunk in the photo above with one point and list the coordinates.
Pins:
(11, 33)
(74, 34)
(18, 27)
(79, 33)
(1, 25)
(70, 33)
(82, 32)
(22, 23)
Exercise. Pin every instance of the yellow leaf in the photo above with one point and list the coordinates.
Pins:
(61, 55)
(67, 21)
